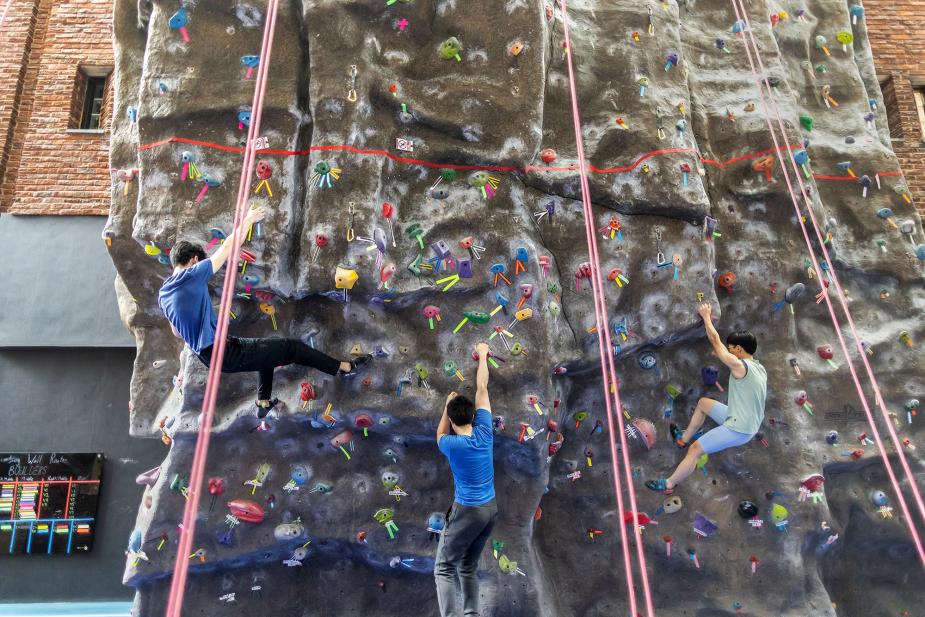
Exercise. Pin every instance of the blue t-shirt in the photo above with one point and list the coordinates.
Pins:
(471, 461)
(184, 299)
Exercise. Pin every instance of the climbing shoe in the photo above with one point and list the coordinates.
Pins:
(263, 412)
(360, 361)
(357, 363)
(676, 434)
(660, 486)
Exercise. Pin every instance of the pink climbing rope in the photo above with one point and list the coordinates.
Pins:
(608, 372)
(737, 6)
(878, 399)
(181, 569)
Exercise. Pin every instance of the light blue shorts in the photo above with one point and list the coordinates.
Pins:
(721, 437)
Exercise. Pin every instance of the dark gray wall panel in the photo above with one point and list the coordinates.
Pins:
(75, 400)
(57, 286)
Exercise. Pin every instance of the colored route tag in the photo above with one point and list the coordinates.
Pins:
(449, 280)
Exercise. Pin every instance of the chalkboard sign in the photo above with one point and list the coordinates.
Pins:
(48, 502)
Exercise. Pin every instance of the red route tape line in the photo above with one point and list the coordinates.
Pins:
(410, 161)
(853, 179)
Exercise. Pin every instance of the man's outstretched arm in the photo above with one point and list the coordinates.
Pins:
(443, 428)
(481, 378)
(220, 256)
(719, 348)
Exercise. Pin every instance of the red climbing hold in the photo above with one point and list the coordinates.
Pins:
(727, 281)
(246, 510)
(813, 483)
(641, 517)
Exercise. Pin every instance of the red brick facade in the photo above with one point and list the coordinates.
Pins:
(44, 167)
(895, 31)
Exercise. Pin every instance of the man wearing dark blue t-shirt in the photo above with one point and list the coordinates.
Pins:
(185, 301)
(469, 449)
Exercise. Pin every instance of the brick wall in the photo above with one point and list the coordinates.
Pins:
(15, 47)
(49, 170)
(895, 32)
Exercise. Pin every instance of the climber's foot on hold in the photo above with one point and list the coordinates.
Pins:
(356, 363)
(660, 486)
(676, 434)
(360, 361)
(265, 407)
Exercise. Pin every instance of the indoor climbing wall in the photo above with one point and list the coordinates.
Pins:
(426, 149)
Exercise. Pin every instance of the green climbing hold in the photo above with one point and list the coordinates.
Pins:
(384, 515)
(702, 461)
(448, 174)
(478, 317)
(844, 37)
(479, 179)
(177, 483)
(807, 122)
(450, 49)
(779, 513)
(323, 168)
(507, 565)
(415, 266)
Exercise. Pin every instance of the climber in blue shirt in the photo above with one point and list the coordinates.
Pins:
(185, 301)
(468, 447)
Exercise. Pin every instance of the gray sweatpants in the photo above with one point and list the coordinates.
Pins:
(464, 536)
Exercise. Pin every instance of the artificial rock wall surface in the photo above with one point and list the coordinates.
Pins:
(499, 105)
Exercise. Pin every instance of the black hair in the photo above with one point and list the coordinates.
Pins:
(461, 411)
(183, 251)
(745, 339)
